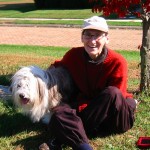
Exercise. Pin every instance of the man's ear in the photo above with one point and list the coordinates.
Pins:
(107, 39)
(81, 38)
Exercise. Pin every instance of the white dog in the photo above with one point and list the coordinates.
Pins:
(37, 91)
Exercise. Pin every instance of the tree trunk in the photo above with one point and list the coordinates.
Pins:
(145, 57)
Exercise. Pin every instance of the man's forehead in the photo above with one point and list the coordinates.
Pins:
(93, 31)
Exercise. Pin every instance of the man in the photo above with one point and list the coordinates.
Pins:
(101, 105)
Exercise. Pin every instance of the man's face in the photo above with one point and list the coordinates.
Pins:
(94, 41)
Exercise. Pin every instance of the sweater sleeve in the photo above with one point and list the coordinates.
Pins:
(119, 75)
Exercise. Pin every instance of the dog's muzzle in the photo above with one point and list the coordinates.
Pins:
(23, 99)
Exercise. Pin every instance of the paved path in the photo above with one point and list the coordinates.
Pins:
(125, 39)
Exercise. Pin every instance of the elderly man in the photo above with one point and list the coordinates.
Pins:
(101, 104)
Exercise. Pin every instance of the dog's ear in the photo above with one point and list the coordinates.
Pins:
(41, 87)
(10, 88)
(38, 72)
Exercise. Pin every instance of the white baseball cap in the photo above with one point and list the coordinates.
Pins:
(97, 23)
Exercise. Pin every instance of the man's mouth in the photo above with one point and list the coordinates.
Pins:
(92, 46)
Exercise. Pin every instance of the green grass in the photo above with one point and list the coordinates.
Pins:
(24, 12)
(130, 55)
(28, 10)
(39, 52)
(43, 56)
(17, 131)
(14, 56)
(67, 22)
(56, 52)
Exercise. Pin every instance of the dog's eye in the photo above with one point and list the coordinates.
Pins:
(18, 85)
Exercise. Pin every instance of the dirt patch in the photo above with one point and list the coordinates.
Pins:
(16, 2)
(120, 39)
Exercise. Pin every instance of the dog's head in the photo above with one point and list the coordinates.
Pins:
(29, 92)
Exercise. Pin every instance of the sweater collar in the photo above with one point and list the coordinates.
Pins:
(101, 58)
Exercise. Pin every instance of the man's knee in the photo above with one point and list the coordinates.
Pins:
(112, 90)
(116, 97)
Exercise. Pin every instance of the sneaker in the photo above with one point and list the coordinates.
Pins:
(51, 145)
(137, 103)
(44, 146)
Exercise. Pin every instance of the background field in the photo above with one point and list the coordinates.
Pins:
(24, 9)
(17, 132)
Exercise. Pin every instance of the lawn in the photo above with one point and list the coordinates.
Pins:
(19, 133)
(26, 9)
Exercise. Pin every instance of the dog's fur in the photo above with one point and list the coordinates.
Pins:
(37, 91)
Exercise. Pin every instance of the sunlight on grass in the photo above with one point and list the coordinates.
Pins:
(13, 57)
(26, 9)
(10, 66)
(44, 56)
(27, 135)
(17, 132)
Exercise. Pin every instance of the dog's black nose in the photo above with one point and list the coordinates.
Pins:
(21, 95)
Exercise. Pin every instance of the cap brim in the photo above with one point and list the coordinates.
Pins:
(95, 28)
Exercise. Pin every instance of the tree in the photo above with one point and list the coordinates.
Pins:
(122, 8)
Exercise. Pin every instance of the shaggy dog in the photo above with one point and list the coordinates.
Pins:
(37, 91)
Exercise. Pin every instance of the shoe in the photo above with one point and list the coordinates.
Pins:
(137, 103)
(44, 146)
(50, 145)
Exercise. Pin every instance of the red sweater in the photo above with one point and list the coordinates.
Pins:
(91, 78)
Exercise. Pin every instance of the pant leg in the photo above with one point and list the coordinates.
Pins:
(67, 127)
(109, 113)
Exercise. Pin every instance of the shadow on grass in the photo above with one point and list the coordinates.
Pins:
(5, 79)
(22, 7)
(15, 125)
(31, 143)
